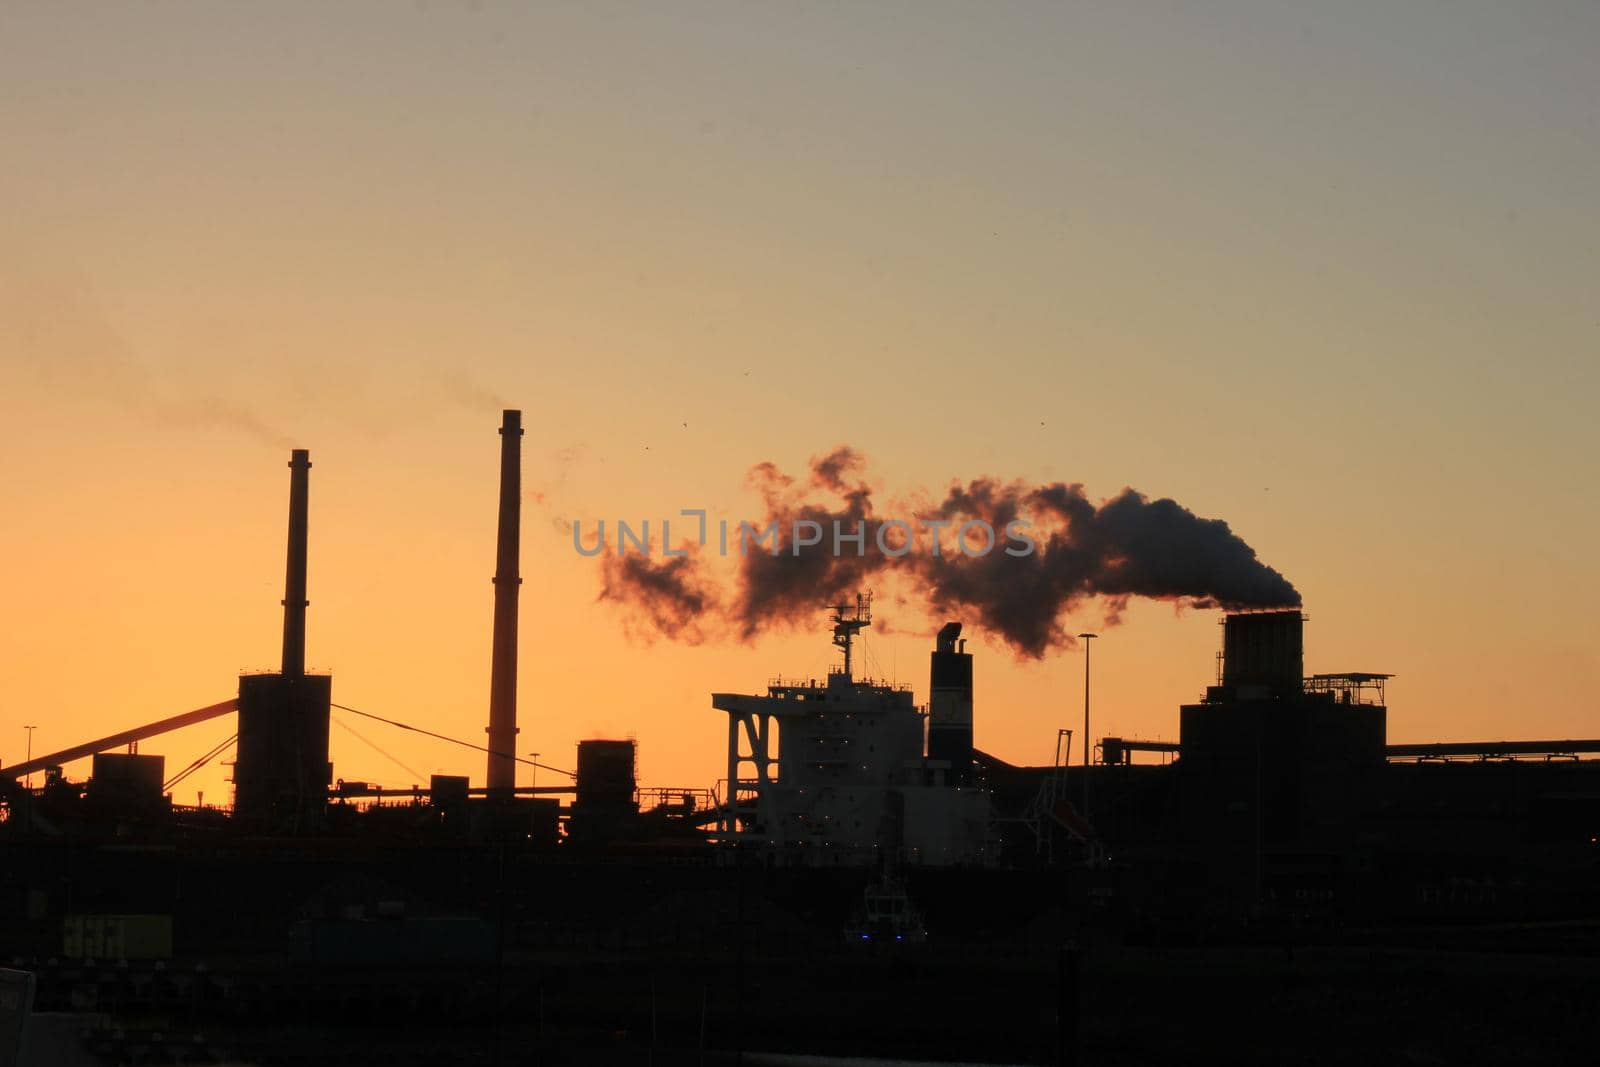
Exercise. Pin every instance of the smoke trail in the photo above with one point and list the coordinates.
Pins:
(1127, 546)
(59, 336)
(457, 385)
(670, 597)
(777, 588)
(214, 411)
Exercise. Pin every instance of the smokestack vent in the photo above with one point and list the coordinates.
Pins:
(1263, 649)
(950, 705)
(946, 641)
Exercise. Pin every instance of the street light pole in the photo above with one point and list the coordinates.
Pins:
(533, 772)
(1088, 745)
(30, 730)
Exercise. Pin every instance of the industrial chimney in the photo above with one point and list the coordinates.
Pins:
(950, 704)
(1262, 652)
(294, 585)
(502, 774)
(281, 775)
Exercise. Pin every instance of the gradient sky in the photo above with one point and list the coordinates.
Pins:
(1326, 271)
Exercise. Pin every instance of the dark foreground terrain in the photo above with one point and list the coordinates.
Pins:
(1475, 996)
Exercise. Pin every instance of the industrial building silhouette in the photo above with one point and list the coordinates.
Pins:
(860, 843)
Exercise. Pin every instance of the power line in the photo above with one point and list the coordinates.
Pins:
(197, 764)
(415, 775)
(201, 762)
(452, 740)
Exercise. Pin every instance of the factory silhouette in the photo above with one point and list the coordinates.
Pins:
(1280, 884)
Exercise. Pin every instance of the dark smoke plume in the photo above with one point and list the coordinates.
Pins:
(776, 588)
(670, 597)
(1127, 546)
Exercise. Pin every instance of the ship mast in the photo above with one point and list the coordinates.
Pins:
(845, 627)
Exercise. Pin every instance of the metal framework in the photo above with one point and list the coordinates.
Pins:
(1445, 752)
(671, 801)
(1120, 750)
(846, 627)
(1052, 791)
(126, 737)
(1350, 687)
(752, 768)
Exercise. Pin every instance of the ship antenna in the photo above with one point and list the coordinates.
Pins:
(846, 626)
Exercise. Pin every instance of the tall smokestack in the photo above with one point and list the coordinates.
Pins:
(502, 775)
(294, 587)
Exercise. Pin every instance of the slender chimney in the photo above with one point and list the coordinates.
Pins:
(294, 587)
(502, 774)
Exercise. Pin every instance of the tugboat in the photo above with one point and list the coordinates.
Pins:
(886, 916)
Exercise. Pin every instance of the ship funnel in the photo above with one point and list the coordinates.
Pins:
(950, 704)
(946, 641)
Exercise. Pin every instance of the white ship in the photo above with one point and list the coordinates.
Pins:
(836, 771)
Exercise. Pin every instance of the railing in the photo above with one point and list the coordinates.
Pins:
(779, 682)
(1360, 689)
(664, 798)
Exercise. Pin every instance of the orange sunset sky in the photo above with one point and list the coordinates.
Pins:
(1326, 272)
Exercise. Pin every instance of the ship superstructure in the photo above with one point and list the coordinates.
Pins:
(834, 771)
